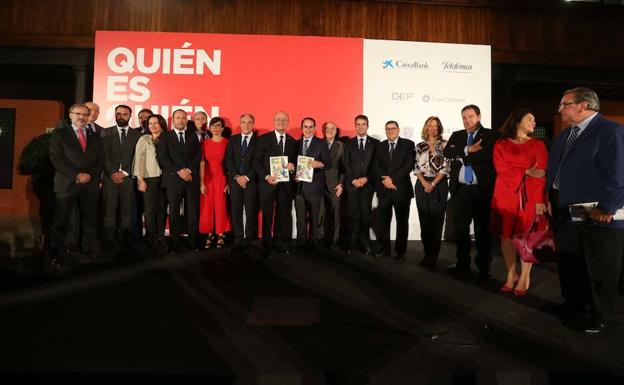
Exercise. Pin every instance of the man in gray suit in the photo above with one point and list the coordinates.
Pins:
(334, 186)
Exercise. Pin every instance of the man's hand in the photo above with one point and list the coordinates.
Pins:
(475, 146)
(338, 189)
(241, 180)
(118, 177)
(83, 177)
(290, 167)
(185, 174)
(272, 180)
(388, 183)
(317, 164)
(600, 216)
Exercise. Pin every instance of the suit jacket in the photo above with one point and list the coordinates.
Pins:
(116, 156)
(317, 150)
(69, 160)
(234, 158)
(358, 164)
(481, 161)
(266, 148)
(398, 168)
(335, 174)
(174, 156)
(593, 170)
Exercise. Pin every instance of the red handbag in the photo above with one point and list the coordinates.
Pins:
(536, 246)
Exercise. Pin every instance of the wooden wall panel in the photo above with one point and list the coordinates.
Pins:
(528, 31)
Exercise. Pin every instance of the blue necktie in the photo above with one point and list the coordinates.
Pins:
(468, 173)
(243, 153)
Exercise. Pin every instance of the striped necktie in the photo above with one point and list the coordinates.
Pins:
(566, 150)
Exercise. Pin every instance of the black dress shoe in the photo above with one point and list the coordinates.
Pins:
(400, 258)
(458, 269)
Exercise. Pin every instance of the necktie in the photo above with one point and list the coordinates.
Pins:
(90, 128)
(306, 144)
(361, 144)
(281, 144)
(123, 136)
(391, 149)
(566, 150)
(181, 137)
(82, 139)
(329, 144)
(244, 146)
(202, 137)
(468, 172)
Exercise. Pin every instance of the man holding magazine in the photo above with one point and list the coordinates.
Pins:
(586, 165)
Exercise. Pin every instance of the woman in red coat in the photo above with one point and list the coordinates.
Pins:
(519, 196)
(213, 215)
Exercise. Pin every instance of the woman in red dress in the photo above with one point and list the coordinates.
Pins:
(520, 163)
(213, 215)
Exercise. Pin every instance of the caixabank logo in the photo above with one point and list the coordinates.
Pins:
(400, 64)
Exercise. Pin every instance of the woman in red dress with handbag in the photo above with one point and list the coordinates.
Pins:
(213, 215)
(520, 163)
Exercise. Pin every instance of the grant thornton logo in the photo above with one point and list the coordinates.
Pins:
(400, 64)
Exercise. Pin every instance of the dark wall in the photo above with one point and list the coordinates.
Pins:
(543, 32)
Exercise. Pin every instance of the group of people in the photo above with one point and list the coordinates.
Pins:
(208, 185)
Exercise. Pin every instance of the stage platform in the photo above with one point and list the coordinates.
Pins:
(309, 317)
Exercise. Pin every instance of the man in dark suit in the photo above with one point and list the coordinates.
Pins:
(118, 144)
(94, 113)
(586, 165)
(393, 163)
(179, 155)
(200, 123)
(77, 159)
(309, 194)
(471, 185)
(143, 116)
(243, 183)
(273, 193)
(334, 186)
(357, 159)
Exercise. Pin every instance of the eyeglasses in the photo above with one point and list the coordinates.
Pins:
(79, 114)
(562, 106)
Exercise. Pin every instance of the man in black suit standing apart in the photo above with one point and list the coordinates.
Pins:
(243, 183)
(309, 194)
(273, 193)
(393, 162)
(77, 159)
(118, 144)
(179, 155)
(357, 159)
(471, 185)
(334, 186)
(586, 165)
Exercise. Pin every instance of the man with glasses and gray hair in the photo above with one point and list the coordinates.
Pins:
(586, 165)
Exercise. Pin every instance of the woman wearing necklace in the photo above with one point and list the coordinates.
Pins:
(431, 188)
(520, 163)
(213, 217)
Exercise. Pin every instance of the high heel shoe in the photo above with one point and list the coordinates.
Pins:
(506, 289)
(220, 241)
(209, 241)
(520, 292)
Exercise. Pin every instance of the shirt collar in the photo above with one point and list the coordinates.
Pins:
(277, 135)
(585, 122)
(178, 132)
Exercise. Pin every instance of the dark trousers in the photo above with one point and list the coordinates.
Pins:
(330, 217)
(308, 210)
(470, 204)
(189, 192)
(401, 205)
(76, 213)
(276, 200)
(589, 259)
(431, 209)
(154, 209)
(119, 208)
(247, 199)
(359, 201)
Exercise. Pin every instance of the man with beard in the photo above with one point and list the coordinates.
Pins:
(179, 155)
(118, 144)
(143, 115)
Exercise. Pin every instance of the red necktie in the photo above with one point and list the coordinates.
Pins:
(82, 140)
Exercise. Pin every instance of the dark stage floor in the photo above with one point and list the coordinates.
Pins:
(303, 318)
